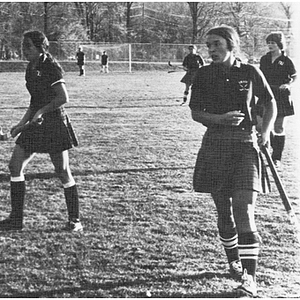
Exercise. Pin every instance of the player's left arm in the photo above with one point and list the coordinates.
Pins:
(265, 95)
(292, 74)
(61, 97)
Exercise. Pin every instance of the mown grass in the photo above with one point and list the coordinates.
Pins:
(146, 233)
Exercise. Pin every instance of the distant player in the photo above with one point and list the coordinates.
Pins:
(80, 61)
(280, 73)
(191, 63)
(104, 62)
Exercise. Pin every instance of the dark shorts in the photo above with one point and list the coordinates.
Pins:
(52, 136)
(227, 165)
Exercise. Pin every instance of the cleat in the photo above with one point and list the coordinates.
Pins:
(10, 224)
(74, 226)
(236, 270)
(248, 287)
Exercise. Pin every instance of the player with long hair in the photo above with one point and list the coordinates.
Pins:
(224, 98)
(52, 134)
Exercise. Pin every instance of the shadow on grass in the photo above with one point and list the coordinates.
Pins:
(101, 288)
(50, 175)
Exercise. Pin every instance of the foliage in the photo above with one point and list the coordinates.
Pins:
(121, 22)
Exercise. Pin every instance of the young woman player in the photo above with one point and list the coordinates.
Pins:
(50, 132)
(191, 64)
(224, 97)
(280, 73)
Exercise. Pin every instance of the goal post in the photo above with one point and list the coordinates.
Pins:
(119, 55)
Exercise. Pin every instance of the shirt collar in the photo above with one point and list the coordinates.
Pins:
(237, 63)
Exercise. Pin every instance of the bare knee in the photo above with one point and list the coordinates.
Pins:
(64, 174)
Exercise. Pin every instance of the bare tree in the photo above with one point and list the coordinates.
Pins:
(202, 14)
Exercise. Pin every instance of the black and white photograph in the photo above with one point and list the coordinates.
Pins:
(149, 149)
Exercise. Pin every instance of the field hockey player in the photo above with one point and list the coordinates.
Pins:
(280, 73)
(53, 135)
(191, 63)
(224, 98)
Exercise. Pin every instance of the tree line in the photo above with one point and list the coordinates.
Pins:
(138, 22)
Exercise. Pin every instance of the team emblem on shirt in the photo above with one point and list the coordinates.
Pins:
(38, 73)
(281, 63)
(244, 85)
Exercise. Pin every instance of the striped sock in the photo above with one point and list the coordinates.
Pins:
(231, 247)
(249, 246)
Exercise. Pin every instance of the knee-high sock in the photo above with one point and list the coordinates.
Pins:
(72, 202)
(230, 245)
(277, 143)
(17, 193)
(249, 246)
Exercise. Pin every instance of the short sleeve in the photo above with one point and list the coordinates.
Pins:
(261, 87)
(197, 101)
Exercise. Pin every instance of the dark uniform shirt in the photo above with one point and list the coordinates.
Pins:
(280, 71)
(193, 61)
(54, 134)
(218, 90)
(277, 73)
(104, 59)
(80, 58)
(39, 82)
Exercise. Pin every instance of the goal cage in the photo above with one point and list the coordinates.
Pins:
(123, 57)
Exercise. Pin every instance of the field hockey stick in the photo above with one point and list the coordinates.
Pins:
(3, 136)
(284, 197)
(179, 68)
(19, 129)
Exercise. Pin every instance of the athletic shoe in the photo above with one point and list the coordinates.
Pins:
(10, 224)
(236, 269)
(74, 226)
(248, 286)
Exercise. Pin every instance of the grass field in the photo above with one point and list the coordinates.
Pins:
(146, 233)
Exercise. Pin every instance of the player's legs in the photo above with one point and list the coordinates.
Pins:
(278, 139)
(186, 92)
(19, 160)
(62, 168)
(243, 202)
(226, 225)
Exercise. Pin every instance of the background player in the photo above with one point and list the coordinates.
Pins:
(191, 64)
(80, 61)
(104, 62)
(280, 72)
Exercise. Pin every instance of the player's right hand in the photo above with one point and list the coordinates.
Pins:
(233, 118)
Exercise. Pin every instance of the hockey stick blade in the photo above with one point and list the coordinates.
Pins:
(283, 195)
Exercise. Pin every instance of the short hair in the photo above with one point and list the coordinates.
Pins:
(192, 46)
(229, 34)
(278, 38)
(38, 39)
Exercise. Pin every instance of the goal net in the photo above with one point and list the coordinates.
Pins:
(119, 55)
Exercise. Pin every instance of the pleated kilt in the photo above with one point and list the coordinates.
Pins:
(285, 106)
(189, 76)
(54, 135)
(228, 161)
